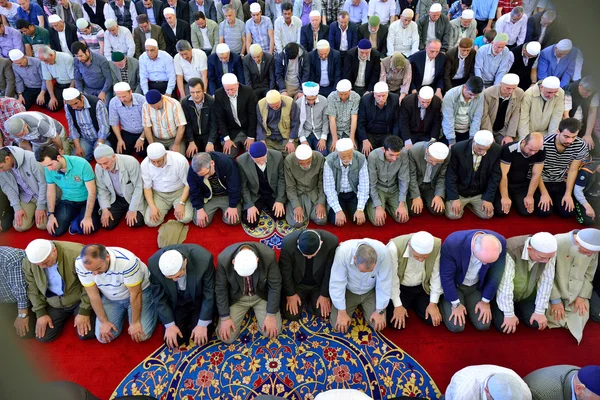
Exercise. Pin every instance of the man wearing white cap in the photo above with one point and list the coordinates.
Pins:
(62, 34)
(432, 25)
(58, 73)
(174, 30)
(304, 187)
(54, 291)
(377, 117)
(259, 70)
(278, 121)
(473, 176)
(118, 38)
(156, 69)
(428, 162)
(487, 381)
(525, 287)
(222, 62)
(183, 287)
(420, 118)
(542, 107)
(120, 189)
(259, 29)
(558, 60)
(463, 27)
(576, 264)
(502, 109)
(189, 63)
(325, 67)
(525, 57)
(346, 184)
(91, 33)
(314, 125)
(312, 33)
(247, 278)
(125, 118)
(361, 275)
(514, 24)
(416, 280)
(494, 60)
(403, 35)
(342, 109)
(123, 12)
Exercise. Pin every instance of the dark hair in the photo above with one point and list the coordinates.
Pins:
(76, 47)
(95, 251)
(570, 124)
(475, 84)
(4, 152)
(48, 151)
(142, 19)
(465, 43)
(287, 7)
(343, 14)
(22, 23)
(196, 81)
(467, 3)
(393, 143)
(291, 50)
(490, 35)
(199, 15)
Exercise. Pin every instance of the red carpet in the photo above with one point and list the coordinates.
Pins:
(101, 368)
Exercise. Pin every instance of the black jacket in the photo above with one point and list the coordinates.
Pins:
(519, 67)
(451, 66)
(306, 36)
(292, 262)
(70, 35)
(366, 115)
(554, 32)
(372, 71)
(266, 78)
(382, 34)
(417, 63)
(200, 273)
(460, 171)
(207, 117)
(334, 67)
(229, 176)
(281, 64)
(171, 39)
(246, 107)
(229, 287)
(410, 119)
(157, 9)
(182, 10)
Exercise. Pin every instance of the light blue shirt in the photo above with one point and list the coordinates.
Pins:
(491, 68)
(324, 74)
(150, 14)
(260, 32)
(55, 281)
(345, 275)
(485, 9)
(159, 69)
(358, 14)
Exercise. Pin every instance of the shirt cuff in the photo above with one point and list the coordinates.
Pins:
(509, 314)
(555, 301)
(434, 297)
(455, 302)
(323, 137)
(409, 141)
(302, 139)
(485, 300)
(23, 305)
(397, 302)
(170, 324)
(226, 138)
(540, 311)
(203, 323)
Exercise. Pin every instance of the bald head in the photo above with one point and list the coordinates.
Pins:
(486, 248)
(532, 143)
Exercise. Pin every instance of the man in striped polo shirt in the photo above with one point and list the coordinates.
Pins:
(565, 153)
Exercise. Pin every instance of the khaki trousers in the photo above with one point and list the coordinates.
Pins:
(238, 311)
(474, 204)
(389, 201)
(572, 320)
(29, 218)
(164, 202)
(366, 301)
(168, 143)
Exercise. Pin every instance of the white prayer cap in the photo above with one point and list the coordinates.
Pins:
(484, 138)
(344, 86)
(168, 11)
(564, 45)
(122, 87)
(511, 79)
(255, 48)
(303, 152)
(422, 242)
(156, 150)
(543, 242)
(313, 13)
(109, 23)
(82, 23)
(551, 82)
(54, 19)
(533, 48)
(438, 150)
(151, 43)
(426, 93)
(70, 94)
(229, 78)
(15, 54)
(170, 262)
(408, 13)
(346, 394)
(322, 44)
(435, 7)
(310, 88)
(507, 387)
(38, 250)
(222, 48)
(255, 7)
(245, 262)
(589, 239)
(381, 87)
(468, 14)
(344, 145)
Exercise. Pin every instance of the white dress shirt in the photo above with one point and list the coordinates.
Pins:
(469, 383)
(192, 69)
(429, 73)
(403, 40)
(170, 178)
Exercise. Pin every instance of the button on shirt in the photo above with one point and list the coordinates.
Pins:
(130, 117)
(165, 121)
(192, 69)
(72, 181)
(170, 178)
(62, 69)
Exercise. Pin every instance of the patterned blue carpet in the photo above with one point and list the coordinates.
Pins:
(305, 359)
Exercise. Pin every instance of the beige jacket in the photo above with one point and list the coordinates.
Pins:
(533, 119)
(491, 97)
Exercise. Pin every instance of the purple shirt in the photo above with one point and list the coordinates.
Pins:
(306, 9)
(11, 39)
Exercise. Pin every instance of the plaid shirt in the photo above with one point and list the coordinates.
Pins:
(8, 108)
(84, 120)
(329, 186)
(508, 5)
(12, 281)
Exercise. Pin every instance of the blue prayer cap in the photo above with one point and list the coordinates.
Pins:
(590, 377)
(364, 44)
(258, 150)
(153, 96)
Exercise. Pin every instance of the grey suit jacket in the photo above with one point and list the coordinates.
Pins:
(418, 165)
(442, 31)
(249, 178)
(130, 177)
(75, 9)
(212, 32)
(139, 38)
(7, 78)
(551, 383)
(133, 74)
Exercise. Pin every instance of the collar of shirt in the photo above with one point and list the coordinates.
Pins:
(366, 59)
(306, 101)
(525, 254)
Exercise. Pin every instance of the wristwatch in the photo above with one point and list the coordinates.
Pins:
(49, 213)
(182, 203)
(381, 312)
(22, 315)
(456, 305)
(142, 138)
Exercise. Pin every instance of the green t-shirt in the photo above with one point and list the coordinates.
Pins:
(72, 182)
(41, 36)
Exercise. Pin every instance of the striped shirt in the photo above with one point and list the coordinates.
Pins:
(331, 192)
(84, 120)
(260, 32)
(505, 295)
(164, 122)
(12, 281)
(125, 270)
(232, 35)
(94, 39)
(556, 165)
(130, 117)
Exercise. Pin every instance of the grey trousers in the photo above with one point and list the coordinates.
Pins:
(238, 311)
(366, 301)
(469, 297)
(595, 306)
(310, 211)
(474, 203)
(214, 204)
(389, 201)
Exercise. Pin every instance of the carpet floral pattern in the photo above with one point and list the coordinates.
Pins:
(269, 231)
(305, 359)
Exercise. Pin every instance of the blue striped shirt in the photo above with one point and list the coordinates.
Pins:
(130, 117)
(84, 120)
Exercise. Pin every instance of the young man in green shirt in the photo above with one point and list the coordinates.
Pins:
(33, 36)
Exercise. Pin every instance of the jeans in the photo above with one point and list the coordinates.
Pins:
(312, 141)
(71, 213)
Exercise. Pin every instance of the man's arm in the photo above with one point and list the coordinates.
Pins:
(96, 301)
(338, 281)
(536, 178)
(91, 199)
(572, 176)
(135, 293)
